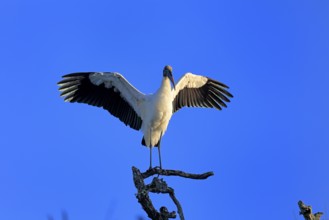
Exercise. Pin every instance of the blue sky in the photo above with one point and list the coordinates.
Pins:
(268, 149)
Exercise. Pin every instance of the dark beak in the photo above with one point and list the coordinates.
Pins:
(172, 81)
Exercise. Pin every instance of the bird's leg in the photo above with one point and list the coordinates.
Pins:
(150, 149)
(160, 157)
(159, 145)
(150, 158)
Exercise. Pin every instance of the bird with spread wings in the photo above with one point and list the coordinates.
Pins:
(149, 113)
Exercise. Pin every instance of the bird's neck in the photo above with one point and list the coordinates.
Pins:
(165, 85)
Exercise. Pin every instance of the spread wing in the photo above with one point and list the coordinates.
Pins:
(104, 89)
(200, 91)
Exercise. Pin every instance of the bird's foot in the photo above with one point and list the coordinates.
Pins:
(156, 169)
(159, 168)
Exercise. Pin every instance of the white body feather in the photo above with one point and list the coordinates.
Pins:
(156, 112)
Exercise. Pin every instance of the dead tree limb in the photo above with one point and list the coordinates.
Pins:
(158, 185)
(155, 170)
(306, 211)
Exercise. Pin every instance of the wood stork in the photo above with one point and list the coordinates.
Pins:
(148, 113)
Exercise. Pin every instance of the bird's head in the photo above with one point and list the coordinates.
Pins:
(167, 72)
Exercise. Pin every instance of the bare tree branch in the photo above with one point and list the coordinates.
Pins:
(155, 170)
(158, 185)
(306, 211)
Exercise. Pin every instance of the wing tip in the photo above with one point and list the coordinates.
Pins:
(221, 86)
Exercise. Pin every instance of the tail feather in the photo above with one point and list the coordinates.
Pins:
(144, 144)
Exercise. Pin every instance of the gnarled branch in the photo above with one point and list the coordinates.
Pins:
(155, 170)
(158, 185)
